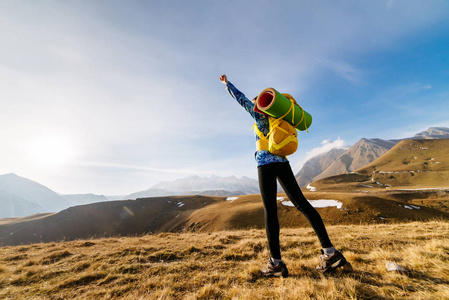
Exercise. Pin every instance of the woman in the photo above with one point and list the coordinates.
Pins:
(271, 167)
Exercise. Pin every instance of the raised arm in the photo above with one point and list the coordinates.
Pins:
(240, 97)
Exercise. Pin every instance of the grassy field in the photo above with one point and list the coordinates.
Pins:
(226, 264)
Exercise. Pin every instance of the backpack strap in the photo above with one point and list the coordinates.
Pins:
(262, 143)
(292, 108)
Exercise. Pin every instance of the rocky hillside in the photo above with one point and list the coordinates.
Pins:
(411, 164)
(359, 155)
(317, 165)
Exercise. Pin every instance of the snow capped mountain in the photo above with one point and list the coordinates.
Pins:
(434, 133)
(21, 197)
(195, 185)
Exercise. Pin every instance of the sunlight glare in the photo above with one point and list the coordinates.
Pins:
(54, 149)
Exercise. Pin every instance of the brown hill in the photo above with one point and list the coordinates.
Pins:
(413, 164)
(113, 218)
(359, 155)
(416, 171)
(208, 214)
(247, 211)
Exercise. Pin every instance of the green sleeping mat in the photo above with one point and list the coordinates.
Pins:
(279, 105)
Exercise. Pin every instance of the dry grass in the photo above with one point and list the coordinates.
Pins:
(225, 265)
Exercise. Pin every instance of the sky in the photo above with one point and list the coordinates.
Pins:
(112, 97)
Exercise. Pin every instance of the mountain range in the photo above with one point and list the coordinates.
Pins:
(22, 197)
(195, 185)
(363, 152)
(409, 182)
(411, 166)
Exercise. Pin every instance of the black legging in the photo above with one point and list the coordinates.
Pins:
(268, 188)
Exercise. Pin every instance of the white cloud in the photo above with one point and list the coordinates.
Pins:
(326, 146)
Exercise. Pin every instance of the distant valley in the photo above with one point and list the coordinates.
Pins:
(410, 181)
(22, 197)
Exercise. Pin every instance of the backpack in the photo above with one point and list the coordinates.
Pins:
(281, 140)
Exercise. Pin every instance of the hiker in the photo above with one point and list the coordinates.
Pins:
(271, 167)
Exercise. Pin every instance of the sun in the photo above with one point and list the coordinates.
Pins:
(50, 149)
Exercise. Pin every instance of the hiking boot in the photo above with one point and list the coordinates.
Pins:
(273, 270)
(331, 262)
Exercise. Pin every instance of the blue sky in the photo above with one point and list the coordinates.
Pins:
(112, 97)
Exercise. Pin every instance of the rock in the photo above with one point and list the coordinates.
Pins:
(394, 267)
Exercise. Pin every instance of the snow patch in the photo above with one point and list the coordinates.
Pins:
(424, 189)
(325, 203)
(285, 202)
(315, 203)
(373, 181)
(412, 207)
(311, 188)
(180, 204)
(366, 185)
(231, 199)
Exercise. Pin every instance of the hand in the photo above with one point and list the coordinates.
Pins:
(224, 79)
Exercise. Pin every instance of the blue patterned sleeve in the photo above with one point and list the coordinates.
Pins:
(242, 100)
